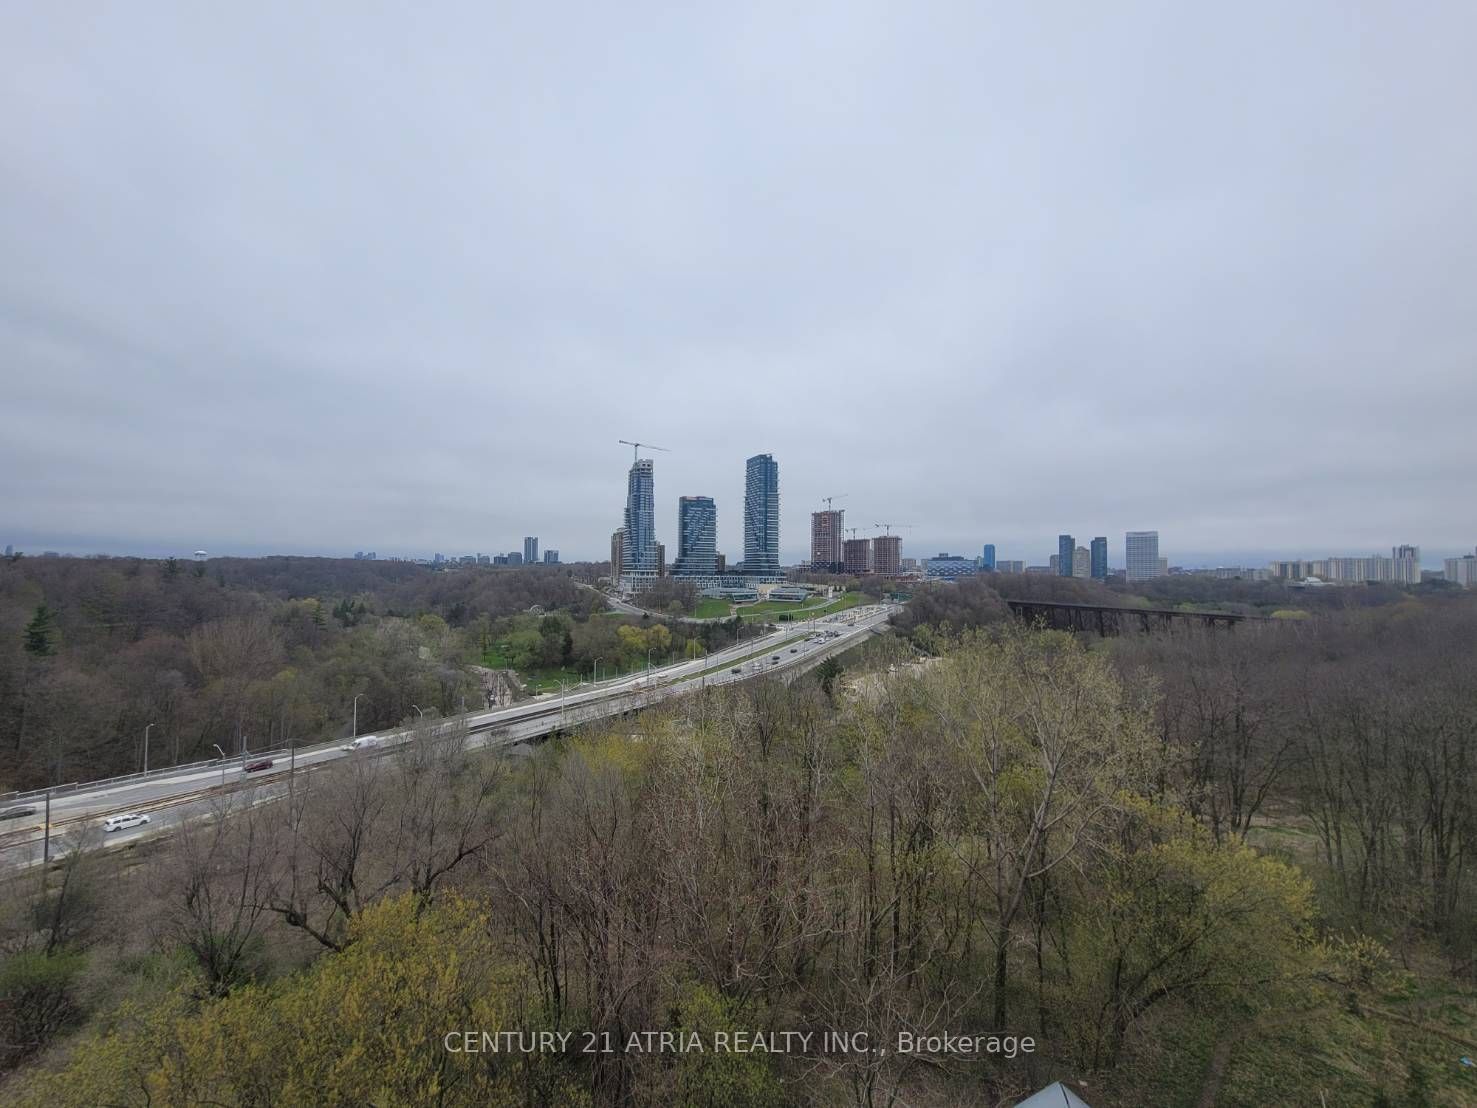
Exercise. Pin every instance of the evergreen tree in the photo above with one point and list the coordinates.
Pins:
(41, 633)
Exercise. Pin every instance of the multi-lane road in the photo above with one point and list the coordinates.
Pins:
(172, 796)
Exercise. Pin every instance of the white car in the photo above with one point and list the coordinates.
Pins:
(363, 742)
(125, 821)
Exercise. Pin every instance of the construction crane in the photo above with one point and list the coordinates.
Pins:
(887, 527)
(635, 446)
(828, 500)
(853, 531)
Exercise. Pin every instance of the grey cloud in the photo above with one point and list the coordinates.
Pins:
(338, 277)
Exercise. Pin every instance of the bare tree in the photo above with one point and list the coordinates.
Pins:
(444, 811)
(214, 889)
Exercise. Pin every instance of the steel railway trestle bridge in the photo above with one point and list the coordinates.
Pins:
(1106, 620)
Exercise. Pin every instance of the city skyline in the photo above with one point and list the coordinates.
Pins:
(1029, 553)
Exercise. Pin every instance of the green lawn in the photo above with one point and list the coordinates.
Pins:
(768, 609)
(710, 607)
(547, 680)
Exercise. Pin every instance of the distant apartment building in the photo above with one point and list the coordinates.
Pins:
(661, 559)
(722, 563)
(1232, 573)
(1407, 566)
(484, 560)
(617, 543)
(1041, 571)
(697, 537)
(1462, 571)
(762, 517)
(827, 536)
(1081, 562)
(1403, 567)
(856, 555)
(1099, 560)
(909, 565)
(1054, 565)
(887, 555)
(515, 557)
(987, 558)
(551, 557)
(1010, 565)
(499, 559)
(948, 567)
(1141, 555)
(1066, 546)
(530, 549)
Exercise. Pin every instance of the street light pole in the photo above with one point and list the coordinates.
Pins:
(146, 748)
(222, 753)
(596, 678)
(355, 735)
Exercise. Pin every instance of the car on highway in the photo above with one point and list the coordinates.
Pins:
(363, 742)
(794, 650)
(17, 813)
(125, 821)
(735, 669)
(258, 765)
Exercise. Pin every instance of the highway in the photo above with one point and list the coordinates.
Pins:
(170, 797)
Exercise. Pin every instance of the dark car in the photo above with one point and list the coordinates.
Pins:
(17, 813)
(735, 669)
(259, 765)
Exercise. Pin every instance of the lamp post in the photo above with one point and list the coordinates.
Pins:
(355, 735)
(146, 748)
(222, 753)
(419, 709)
(648, 660)
(596, 678)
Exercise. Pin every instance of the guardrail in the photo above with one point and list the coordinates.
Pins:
(166, 771)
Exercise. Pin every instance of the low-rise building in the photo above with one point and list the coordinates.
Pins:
(948, 567)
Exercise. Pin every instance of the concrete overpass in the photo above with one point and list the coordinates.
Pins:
(172, 796)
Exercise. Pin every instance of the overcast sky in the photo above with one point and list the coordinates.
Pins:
(325, 277)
